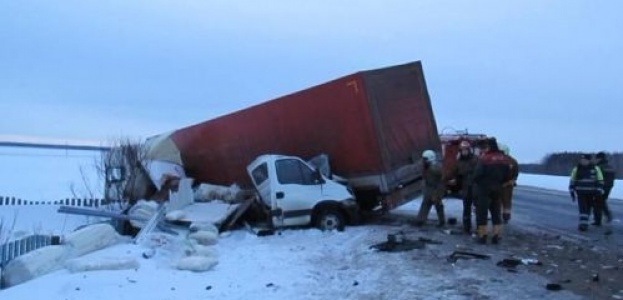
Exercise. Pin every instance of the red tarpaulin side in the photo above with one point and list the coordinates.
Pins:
(331, 118)
(403, 114)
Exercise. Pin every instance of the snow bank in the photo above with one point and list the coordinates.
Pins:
(34, 264)
(105, 263)
(561, 183)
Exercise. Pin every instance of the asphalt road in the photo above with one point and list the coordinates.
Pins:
(553, 212)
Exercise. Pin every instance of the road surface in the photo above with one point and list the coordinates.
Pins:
(554, 212)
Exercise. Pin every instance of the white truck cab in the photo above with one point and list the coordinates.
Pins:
(297, 194)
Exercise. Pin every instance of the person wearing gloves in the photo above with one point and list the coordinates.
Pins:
(434, 189)
(586, 183)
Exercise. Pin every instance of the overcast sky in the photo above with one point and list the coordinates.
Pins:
(542, 76)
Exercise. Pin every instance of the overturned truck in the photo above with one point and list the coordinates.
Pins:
(372, 125)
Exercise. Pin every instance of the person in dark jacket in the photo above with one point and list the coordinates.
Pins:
(586, 183)
(462, 175)
(609, 173)
(434, 189)
(507, 191)
(492, 172)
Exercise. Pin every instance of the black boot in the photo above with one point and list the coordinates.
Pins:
(582, 227)
(441, 216)
(495, 239)
(482, 239)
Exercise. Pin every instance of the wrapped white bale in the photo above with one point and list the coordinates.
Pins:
(142, 209)
(104, 263)
(34, 264)
(197, 263)
(207, 251)
(90, 239)
(205, 238)
(208, 192)
(203, 226)
(175, 215)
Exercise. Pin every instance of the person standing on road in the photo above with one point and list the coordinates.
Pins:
(586, 182)
(507, 190)
(462, 175)
(609, 173)
(434, 189)
(492, 171)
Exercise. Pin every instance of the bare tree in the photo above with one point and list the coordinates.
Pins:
(122, 169)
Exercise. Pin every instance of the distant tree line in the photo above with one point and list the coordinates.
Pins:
(561, 163)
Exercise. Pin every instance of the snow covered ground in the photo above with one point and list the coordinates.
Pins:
(294, 264)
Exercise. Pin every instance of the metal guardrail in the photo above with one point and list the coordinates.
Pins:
(13, 249)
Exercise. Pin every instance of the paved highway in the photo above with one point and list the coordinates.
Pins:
(553, 212)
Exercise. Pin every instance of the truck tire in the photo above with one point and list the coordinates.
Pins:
(330, 219)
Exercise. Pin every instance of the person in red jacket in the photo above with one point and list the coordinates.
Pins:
(492, 172)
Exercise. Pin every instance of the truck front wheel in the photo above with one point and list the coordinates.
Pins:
(330, 219)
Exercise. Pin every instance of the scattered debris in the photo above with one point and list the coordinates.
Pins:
(509, 263)
(557, 247)
(531, 261)
(356, 283)
(512, 270)
(456, 255)
(149, 253)
(259, 231)
(595, 277)
(270, 284)
(429, 241)
(452, 232)
(553, 287)
(397, 243)
(209, 287)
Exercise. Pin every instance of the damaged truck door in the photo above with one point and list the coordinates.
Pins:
(295, 194)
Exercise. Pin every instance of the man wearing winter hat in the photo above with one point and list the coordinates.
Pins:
(587, 181)
(609, 173)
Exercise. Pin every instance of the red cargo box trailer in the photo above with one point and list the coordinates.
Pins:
(373, 125)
